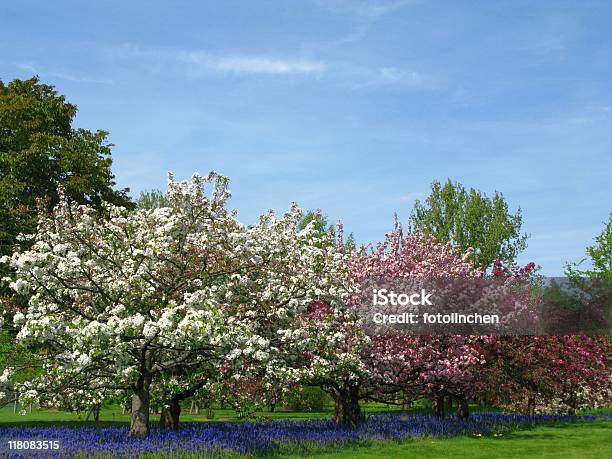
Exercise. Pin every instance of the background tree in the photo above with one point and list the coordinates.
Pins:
(39, 150)
(469, 218)
(586, 299)
(152, 199)
(323, 226)
(599, 255)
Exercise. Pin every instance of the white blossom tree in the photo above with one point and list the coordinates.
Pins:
(158, 300)
(116, 300)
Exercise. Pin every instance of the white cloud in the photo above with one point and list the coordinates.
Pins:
(199, 63)
(195, 64)
(273, 66)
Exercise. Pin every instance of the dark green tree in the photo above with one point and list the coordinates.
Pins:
(469, 218)
(39, 150)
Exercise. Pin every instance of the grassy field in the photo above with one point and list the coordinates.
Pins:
(113, 415)
(581, 440)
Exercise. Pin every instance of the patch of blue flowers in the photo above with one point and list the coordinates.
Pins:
(219, 439)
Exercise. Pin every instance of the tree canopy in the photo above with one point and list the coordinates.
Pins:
(470, 219)
(39, 150)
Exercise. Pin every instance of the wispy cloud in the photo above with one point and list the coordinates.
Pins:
(273, 66)
(196, 64)
(199, 63)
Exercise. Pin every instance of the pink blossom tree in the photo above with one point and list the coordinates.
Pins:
(546, 373)
(432, 366)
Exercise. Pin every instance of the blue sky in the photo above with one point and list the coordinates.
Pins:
(349, 106)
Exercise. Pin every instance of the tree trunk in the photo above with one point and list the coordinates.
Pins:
(170, 415)
(347, 411)
(572, 405)
(406, 402)
(140, 412)
(463, 409)
(437, 406)
(531, 405)
(95, 411)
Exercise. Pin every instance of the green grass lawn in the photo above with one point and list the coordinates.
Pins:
(592, 439)
(112, 414)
